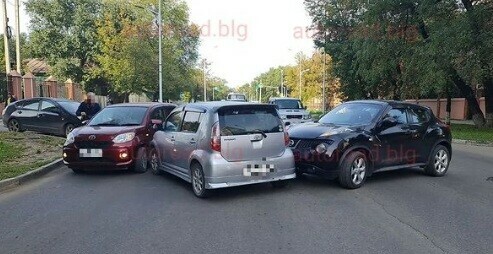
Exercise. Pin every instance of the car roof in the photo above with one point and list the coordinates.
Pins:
(283, 98)
(47, 98)
(392, 103)
(141, 104)
(213, 105)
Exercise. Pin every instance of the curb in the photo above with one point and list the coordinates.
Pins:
(471, 142)
(29, 176)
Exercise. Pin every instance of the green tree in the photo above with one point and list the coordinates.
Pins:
(64, 33)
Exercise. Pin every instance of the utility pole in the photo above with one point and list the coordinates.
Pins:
(204, 66)
(6, 37)
(160, 34)
(282, 82)
(17, 37)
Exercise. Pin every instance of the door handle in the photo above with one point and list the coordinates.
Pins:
(193, 142)
(20, 111)
(172, 139)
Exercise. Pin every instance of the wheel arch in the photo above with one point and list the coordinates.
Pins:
(359, 148)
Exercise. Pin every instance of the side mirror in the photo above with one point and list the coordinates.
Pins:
(388, 122)
(305, 107)
(85, 122)
(155, 123)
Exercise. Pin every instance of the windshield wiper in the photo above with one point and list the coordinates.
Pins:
(129, 124)
(105, 124)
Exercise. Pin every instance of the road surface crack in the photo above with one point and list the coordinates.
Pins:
(409, 225)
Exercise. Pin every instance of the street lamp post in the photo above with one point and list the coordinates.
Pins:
(301, 74)
(159, 18)
(160, 28)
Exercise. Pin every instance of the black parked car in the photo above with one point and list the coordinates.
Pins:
(45, 115)
(358, 138)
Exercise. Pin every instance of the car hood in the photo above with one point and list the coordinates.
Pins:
(316, 130)
(103, 130)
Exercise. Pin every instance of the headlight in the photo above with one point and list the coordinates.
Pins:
(306, 117)
(70, 139)
(125, 137)
(321, 148)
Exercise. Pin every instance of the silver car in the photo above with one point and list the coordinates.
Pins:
(291, 110)
(223, 144)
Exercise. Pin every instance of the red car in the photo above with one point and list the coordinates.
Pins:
(117, 137)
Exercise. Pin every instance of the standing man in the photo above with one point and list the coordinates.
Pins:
(10, 98)
(88, 108)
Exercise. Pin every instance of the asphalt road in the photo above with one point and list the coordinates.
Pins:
(395, 212)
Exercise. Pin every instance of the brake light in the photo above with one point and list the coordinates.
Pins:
(216, 138)
(286, 138)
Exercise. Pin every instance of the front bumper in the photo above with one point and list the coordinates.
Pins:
(309, 161)
(222, 173)
(111, 159)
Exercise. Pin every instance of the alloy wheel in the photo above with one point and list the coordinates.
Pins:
(197, 180)
(358, 171)
(441, 161)
(14, 125)
(154, 162)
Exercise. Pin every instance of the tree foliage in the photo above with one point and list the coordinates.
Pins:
(409, 48)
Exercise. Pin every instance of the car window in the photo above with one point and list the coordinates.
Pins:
(47, 106)
(352, 114)
(69, 106)
(173, 122)
(418, 115)
(119, 116)
(191, 122)
(288, 104)
(32, 105)
(159, 114)
(249, 120)
(398, 114)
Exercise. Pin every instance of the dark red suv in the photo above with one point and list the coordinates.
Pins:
(116, 138)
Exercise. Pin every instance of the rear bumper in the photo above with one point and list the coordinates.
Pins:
(222, 173)
(110, 161)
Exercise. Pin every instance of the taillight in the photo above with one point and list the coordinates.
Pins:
(216, 138)
(286, 138)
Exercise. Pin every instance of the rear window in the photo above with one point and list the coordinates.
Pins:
(69, 106)
(249, 120)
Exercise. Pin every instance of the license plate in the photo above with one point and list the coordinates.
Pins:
(258, 169)
(91, 153)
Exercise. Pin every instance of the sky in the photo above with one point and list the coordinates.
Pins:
(244, 38)
(240, 38)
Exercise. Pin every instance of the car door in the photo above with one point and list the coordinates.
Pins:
(419, 123)
(171, 127)
(186, 139)
(27, 114)
(394, 149)
(49, 117)
(160, 114)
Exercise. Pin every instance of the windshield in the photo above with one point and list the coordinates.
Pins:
(288, 104)
(243, 121)
(69, 106)
(238, 97)
(119, 116)
(352, 114)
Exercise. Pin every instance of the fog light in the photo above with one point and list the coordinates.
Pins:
(64, 155)
(123, 155)
(321, 148)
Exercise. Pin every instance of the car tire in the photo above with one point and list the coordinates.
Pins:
(279, 184)
(14, 125)
(198, 181)
(353, 170)
(68, 128)
(140, 164)
(154, 162)
(439, 161)
(78, 170)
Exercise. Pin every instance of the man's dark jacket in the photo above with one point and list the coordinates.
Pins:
(89, 108)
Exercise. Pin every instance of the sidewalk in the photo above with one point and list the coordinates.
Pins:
(467, 122)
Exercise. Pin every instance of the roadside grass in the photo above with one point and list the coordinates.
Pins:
(471, 132)
(22, 152)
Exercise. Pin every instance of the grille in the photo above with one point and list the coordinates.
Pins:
(307, 143)
(93, 144)
(294, 116)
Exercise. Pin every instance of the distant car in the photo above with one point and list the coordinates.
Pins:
(223, 144)
(358, 138)
(118, 137)
(45, 115)
(236, 97)
(291, 110)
